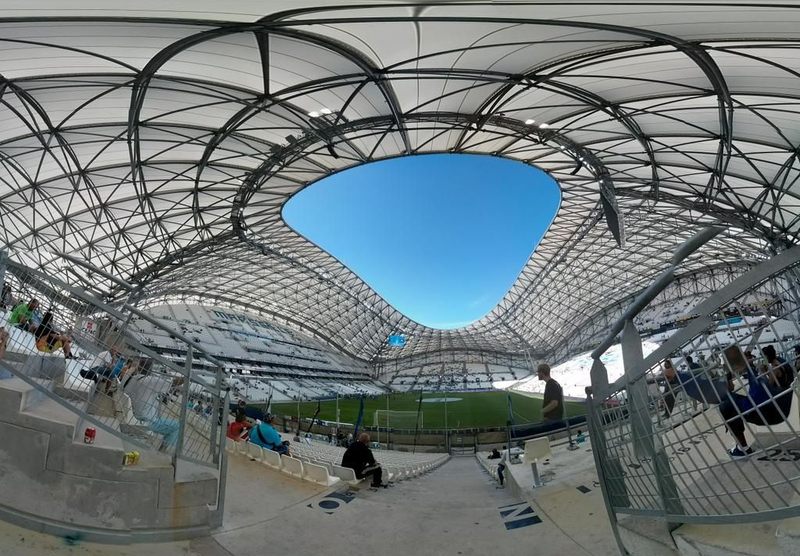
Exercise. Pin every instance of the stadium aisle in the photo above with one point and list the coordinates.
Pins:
(454, 510)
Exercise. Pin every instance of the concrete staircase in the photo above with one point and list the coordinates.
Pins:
(51, 481)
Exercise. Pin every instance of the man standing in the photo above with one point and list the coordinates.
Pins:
(553, 403)
(359, 458)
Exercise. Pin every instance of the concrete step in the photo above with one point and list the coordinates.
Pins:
(646, 536)
(71, 393)
(50, 416)
(15, 356)
(16, 395)
(751, 539)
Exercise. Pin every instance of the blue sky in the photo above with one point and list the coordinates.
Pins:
(441, 237)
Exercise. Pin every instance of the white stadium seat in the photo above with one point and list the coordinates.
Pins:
(292, 466)
(318, 474)
(345, 474)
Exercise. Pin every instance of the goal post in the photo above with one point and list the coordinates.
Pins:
(391, 419)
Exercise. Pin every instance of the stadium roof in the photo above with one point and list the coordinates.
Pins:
(160, 143)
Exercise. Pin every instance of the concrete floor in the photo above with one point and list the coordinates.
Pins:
(455, 510)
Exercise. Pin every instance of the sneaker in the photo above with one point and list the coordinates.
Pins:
(738, 453)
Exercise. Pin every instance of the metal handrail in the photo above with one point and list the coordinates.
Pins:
(664, 458)
(659, 284)
(82, 303)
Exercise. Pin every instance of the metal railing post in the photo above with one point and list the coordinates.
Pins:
(3, 258)
(602, 462)
(645, 444)
(216, 419)
(184, 401)
(222, 483)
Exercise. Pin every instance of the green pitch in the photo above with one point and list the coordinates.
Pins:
(475, 410)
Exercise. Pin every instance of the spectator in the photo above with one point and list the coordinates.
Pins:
(141, 389)
(797, 358)
(267, 437)
(22, 316)
(553, 402)
(359, 458)
(769, 399)
(692, 365)
(48, 339)
(501, 467)
(107, 367)
(238, 429)
(670, 387)
(6, 297)
(495, 454)
(241, 409)
(101, 366)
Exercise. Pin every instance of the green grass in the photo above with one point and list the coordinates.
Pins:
(475, 410)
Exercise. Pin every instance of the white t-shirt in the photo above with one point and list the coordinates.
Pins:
(503, 457)
(102, 359)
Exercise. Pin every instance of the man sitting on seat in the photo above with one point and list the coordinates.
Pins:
(267, 437)
(359, 458)
(48, 339)
(22, 315)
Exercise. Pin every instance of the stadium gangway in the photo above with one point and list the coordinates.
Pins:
(674, 467)
(149, 412)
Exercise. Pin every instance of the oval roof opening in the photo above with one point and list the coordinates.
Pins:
(441, 237)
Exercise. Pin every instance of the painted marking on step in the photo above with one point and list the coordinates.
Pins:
(518, 515)
(332, 502)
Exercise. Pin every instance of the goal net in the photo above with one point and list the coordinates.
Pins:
(390, 419)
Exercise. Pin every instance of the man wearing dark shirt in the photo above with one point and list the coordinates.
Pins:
(359, 458)
(553, 403)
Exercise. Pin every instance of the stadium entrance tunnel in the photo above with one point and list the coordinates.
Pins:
(441, 237)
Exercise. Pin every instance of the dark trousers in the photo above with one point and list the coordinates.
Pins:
(96, 373)
(733, 413)
(376, 473)
(500, 469)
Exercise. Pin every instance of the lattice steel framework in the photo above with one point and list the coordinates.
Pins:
(160, 145)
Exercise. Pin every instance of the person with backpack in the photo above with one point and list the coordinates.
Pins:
(267, 437)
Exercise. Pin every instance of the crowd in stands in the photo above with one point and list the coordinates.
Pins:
(455, 376)
(27, 316)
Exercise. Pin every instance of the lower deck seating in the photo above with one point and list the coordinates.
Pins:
(398, 466)
(318, 462)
